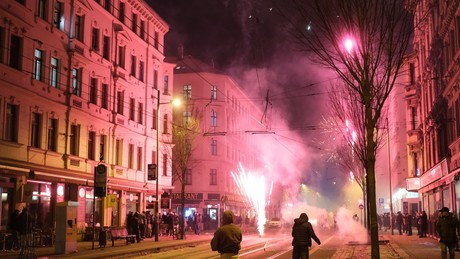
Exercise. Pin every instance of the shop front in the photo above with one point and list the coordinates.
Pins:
(437, 190)
(192, 204)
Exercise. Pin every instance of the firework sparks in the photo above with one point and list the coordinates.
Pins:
(253, 188)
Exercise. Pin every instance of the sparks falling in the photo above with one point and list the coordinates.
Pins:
(253, 188)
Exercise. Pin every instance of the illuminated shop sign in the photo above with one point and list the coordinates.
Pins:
(188, 196)
(437, 172)
(413, 184)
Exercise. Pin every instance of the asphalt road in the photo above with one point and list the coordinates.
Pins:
(272, 245)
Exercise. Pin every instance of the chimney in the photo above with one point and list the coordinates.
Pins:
(180, 52)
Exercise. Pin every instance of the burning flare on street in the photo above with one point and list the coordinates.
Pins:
(253, 187)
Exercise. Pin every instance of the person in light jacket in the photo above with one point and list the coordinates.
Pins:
(227, 239)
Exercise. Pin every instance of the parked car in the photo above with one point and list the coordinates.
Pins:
(275, 223)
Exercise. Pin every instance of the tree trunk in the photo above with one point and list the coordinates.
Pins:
(370, 183)
(182, 206)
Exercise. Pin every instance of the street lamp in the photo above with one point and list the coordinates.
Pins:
(157, 197)
(389, 175)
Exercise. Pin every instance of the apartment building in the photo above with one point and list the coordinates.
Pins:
(227, 115)
(433, 107)
(79, 86)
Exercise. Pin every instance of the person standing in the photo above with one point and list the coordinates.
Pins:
(408, 224)
(14, 226)
(169, 223)
(135, 226)
(25, 229)
(447, 227)
(423, 224)
(399, 221)
(129, 219)
(302, 233)
(227, 238)
(197, 223)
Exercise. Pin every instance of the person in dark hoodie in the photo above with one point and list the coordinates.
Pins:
(448, 228)
(227, 239)
(302, 233)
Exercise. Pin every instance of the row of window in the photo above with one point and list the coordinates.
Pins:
(96, 95)
(187, 92)
(54, 79)
(138, 25)
(12, 126)
(212, 177)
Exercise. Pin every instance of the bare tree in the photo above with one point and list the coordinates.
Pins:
(185, 130)
(364, 43)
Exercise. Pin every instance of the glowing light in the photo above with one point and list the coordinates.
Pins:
(270, 193)
(253, 188)
(348, 45)
(60, 190)
(82, 192)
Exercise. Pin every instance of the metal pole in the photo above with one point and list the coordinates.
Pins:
(94, 216)
(157, 198)
(389, 174)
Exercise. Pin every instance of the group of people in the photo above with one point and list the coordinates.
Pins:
(139, 224)
(21, 224)
(171, 220)
(143, 224)
(194, 222)
(404, 223)
(227, 239)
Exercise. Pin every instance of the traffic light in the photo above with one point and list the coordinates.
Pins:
(100, 180)
(100, 191)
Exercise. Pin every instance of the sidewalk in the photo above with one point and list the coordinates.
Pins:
(392, 247)
(146, 246)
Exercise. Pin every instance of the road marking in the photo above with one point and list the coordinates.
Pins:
(278, 254)
(311, 251)
(252, 251)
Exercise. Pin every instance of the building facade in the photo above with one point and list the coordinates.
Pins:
(227, 116)
(79, 88)
(433, 107)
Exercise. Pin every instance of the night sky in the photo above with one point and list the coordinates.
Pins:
(228, 33)
(248, 40)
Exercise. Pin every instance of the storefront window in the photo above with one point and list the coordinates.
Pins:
(112, 207)
(425, 203)
(432, 212)
(457, 198)
(446, 198)
(39, 207)
(5, 212)
(132, 202)
(88, 194)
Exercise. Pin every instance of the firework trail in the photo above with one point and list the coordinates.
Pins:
(253, 188)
